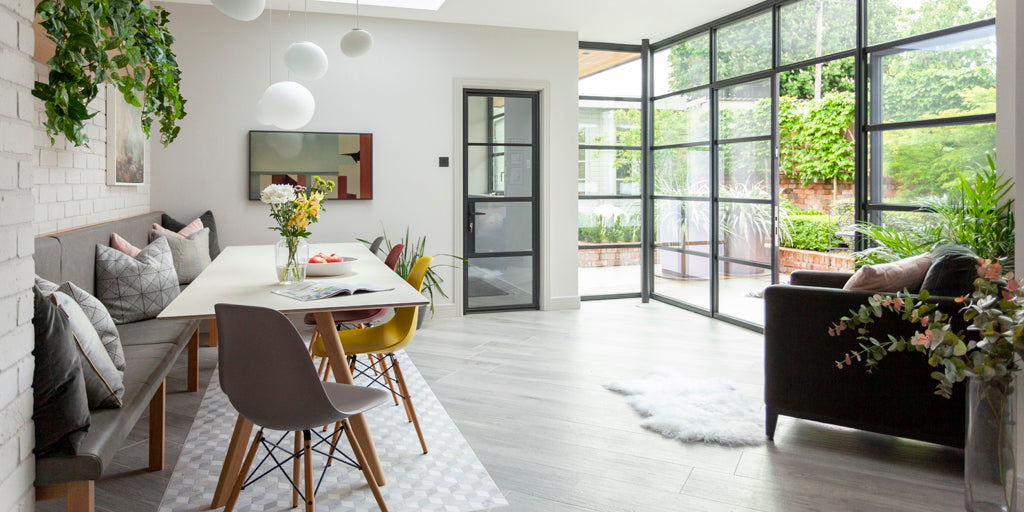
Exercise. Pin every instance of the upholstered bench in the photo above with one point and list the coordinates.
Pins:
(150, 348)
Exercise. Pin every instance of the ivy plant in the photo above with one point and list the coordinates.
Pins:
(120, 41)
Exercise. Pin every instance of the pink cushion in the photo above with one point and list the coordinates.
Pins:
(190, 228)
(123, 245)
(907, 273)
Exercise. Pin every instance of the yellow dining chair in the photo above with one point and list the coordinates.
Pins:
(380, 342)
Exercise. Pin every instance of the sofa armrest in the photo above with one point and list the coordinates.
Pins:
(819, 278)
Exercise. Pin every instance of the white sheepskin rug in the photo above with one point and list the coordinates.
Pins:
(694, 410)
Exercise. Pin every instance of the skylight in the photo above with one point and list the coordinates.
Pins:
(426, 5)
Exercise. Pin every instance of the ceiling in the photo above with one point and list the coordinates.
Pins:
(619, 21)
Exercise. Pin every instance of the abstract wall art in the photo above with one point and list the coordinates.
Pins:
(295, 157)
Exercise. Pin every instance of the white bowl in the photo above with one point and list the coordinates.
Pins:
(331, 269)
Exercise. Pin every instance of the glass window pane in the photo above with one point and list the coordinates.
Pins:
(682, 224)
(500, 171)
(609, 73)
(745, 110)
(684, 277)
(682, 118)
(682, 66)
(745, 170)
(740, 291)
(610, 172)
(602, 269)
(609, 221)
(609, 271)
(815, 28)
(944, 77)
(889, 20)
(921, 162)
(745, 46)
(499, 120)
(609, 123)
(500, 281)
(682, 171)
(502, 227)
(746, 229)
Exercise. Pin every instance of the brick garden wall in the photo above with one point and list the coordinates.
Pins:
(799, 259)
(815, 195)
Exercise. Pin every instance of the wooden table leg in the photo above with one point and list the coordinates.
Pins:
(336, 354)
(232, 462)
(213, 332)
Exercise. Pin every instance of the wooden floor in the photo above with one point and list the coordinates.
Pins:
(525, 390)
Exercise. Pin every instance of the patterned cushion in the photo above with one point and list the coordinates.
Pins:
(135, 289)
(46, 287)
(100, 318)
(206, 218)
(104, 384)
(191, 254)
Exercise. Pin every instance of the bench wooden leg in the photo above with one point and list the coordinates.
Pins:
(193, 362)
(81, 495)
(157, 418)
(213, 332)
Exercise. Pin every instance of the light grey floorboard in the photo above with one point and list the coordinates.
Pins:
(525, 390)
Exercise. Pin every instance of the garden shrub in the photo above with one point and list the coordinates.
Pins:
(811, 232)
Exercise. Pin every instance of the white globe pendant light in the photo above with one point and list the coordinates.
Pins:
(288, 105)
(241, 10)
(306, 60)
(356, 43)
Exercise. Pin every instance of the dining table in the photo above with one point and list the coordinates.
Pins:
(246, 275)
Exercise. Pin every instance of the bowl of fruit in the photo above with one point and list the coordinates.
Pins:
(321, 265)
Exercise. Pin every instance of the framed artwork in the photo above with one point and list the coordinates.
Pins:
(126, 142)
(295, 157)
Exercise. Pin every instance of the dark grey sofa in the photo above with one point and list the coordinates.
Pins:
(802, 381)
(150, 347)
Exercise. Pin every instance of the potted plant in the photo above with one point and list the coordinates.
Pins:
(988, 354)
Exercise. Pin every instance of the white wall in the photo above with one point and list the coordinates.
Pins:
(17, 437)
(401, 92)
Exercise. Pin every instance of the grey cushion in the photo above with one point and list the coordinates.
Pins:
(191, 254)
(60, 408)
(137, 288)
(104, 383)
(100, 319)
(208, 222)
(46, 287)
(952, 272)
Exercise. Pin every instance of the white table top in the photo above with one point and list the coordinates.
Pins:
(245, 275)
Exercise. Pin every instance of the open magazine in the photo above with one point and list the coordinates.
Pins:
(312, 290)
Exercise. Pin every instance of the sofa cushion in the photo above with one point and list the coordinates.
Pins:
(104, 383)
(46, 287)
(135, 289)
(123, 245)
(906, 274)
(191, 227)
(148, 332)
(100, 319)
(60, 408)
(191, 254)
(206, 218)
(953, 271)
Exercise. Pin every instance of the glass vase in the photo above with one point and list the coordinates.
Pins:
(990, 472)
(291, 254)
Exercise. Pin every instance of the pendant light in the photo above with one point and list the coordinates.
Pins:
(241, 10)
(288, 105)
(305, 59)
(358, 41)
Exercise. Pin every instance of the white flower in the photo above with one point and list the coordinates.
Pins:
(277, 194)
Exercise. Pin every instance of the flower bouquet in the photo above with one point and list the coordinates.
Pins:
(294, 208)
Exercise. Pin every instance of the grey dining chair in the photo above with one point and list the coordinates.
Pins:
(267, 374)
(375, 245)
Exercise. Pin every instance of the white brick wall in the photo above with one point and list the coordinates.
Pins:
(71, 183)
(17, 153)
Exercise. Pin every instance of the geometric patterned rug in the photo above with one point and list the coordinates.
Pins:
(449, 478)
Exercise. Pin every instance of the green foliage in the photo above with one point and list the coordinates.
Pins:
(414, 250)
(122, 41)
(978, 215)
(621, 229)
(836, 76)
(817, 137)
(814, 232)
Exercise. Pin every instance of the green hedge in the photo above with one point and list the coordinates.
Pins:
(811, 232)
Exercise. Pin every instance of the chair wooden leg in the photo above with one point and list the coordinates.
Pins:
(296, 468)
(157, 421)
(387, 376)
(334, 442)
(361, 459)
(213, 332)
(408, 401)
(310, 506)
(242, 473)
(80, 495)
(193, 363)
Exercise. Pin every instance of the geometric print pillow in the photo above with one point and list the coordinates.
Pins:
(137, 288)
(101, 320)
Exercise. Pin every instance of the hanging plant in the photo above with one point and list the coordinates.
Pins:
(120, 41)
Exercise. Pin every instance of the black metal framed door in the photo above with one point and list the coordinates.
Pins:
(501, 206)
